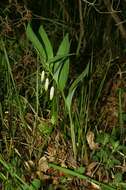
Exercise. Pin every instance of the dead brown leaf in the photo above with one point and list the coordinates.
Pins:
(95, 186)
(90, 168)
(43, 164)
(90, 139)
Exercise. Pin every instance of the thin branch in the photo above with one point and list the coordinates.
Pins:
(116, 18)
(97, 10)
(81, 27)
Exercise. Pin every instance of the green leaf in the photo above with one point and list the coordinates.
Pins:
(58, 58)
(74, 86)
(57, 71)
(61, 68)
(56, 64)
(69, 97)
(80, 170)
(47, 43)
(44, 128)
(64, 46)
(76, 174)
(3, 177)
(36, 184)
(63, 76)
(103, 138)
(36, 43)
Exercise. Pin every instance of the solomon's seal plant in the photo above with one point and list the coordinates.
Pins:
(58, 67)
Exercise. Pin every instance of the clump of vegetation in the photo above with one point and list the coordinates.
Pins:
(62, 98)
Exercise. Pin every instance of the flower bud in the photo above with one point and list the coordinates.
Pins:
(51, 92)
(46, 84)
(42, 76)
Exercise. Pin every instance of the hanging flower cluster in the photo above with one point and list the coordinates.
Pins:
(46, 85)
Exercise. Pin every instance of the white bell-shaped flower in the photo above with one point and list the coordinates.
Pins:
(46, 84)
(51, 92)
(42, 76)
